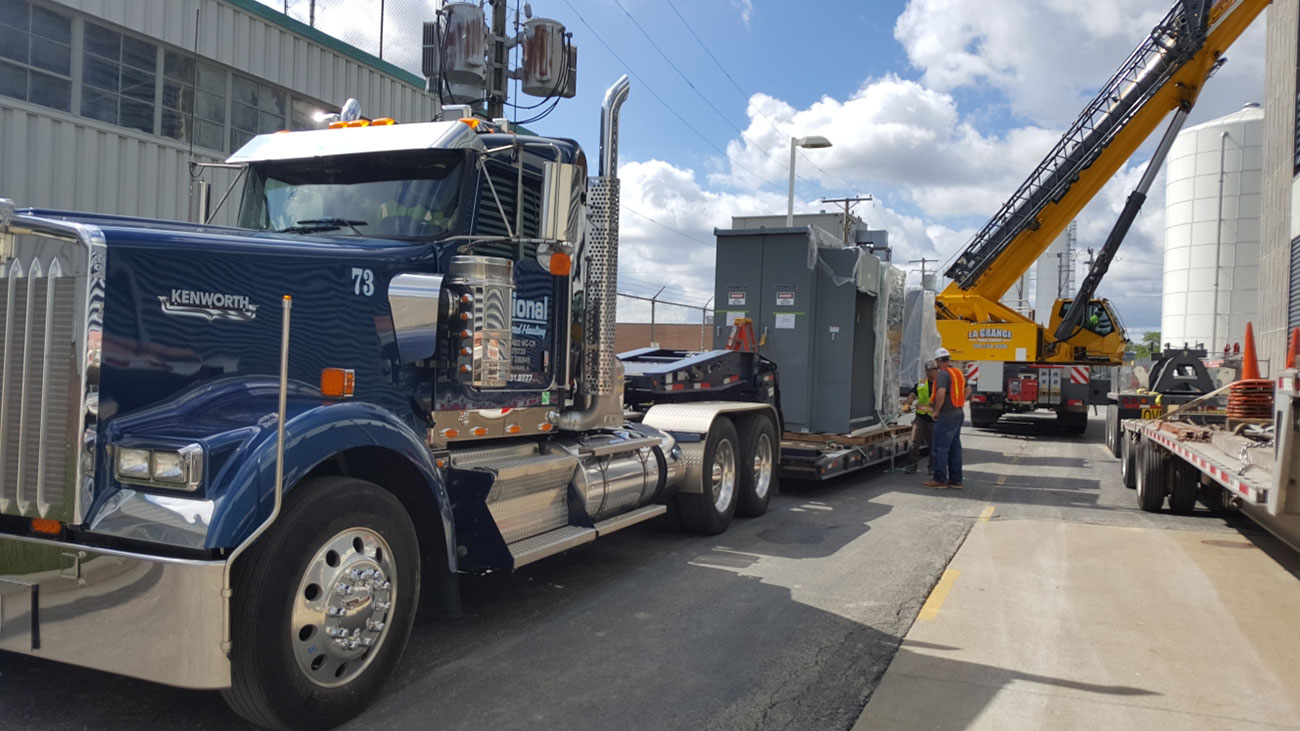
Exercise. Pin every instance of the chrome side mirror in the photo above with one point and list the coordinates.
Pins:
(562, 186)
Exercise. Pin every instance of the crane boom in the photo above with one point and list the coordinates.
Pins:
(1165, 72)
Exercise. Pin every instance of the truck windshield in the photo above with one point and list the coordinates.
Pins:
(400, 195)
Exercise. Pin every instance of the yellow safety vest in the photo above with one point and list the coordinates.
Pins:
(923, 397)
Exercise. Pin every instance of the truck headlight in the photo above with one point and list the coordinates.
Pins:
(180, 469)
(133, 464)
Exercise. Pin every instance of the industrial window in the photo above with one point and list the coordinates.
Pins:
(302, 113)
(35, 55)
(254, 109)
(1293, 288)
(119, 77)
(193, 101)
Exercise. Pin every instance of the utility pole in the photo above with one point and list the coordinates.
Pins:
(497, 86)
(848, 206)
(311, 13)
(653, 301)
(704, 320)
(922, 261)
(381, 30)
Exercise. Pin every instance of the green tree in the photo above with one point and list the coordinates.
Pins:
(1150, 344)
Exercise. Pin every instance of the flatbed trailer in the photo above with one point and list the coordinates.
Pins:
(666, 376)
(1186, 462)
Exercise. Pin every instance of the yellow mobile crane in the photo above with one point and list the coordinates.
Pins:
(1016, 364)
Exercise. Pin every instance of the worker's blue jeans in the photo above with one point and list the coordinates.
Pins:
(945, 452)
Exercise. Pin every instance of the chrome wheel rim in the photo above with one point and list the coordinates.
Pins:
(723, 475)
(341, 610)
(762, 466)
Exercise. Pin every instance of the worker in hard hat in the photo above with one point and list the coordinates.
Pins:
(923, 425)
(948, 411)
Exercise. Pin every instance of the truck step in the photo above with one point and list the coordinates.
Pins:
(550, 543)
(619, 522)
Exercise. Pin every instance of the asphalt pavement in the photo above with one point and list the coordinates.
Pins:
(787, 621)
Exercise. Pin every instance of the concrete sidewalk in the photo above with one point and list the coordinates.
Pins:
(1063, 625)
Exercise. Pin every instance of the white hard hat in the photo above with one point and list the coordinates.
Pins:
(941, 353)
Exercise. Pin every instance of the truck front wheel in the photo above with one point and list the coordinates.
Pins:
(710, 510)
(322, 606)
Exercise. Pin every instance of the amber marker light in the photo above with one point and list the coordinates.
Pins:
(47, 526)
(338, 125)
(449, 433)
(561, 264)
(478, 431)
(337, 382)
(359, 123)
(512, 429)
(382, 122)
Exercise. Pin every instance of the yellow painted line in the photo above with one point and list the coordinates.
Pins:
(934, 602)
(988, 513)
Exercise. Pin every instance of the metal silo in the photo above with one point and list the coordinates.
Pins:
(1212, 232)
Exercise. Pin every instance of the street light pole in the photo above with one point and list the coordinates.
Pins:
(812, 142)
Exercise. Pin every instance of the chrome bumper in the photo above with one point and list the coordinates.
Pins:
(147, 617)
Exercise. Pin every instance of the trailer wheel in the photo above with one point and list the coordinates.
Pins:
(758, 468)
(1185, 483)
(322, 607)
(710, 511)
(1128, 460)
(1112, 430)
(1150, 486)
(983, 417)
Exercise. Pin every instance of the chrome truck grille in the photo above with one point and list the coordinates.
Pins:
(46, 313)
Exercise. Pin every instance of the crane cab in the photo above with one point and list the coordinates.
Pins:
(1100, 337)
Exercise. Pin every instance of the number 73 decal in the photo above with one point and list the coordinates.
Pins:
(363, 281)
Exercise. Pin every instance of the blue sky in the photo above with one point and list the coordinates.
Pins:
(937, 108)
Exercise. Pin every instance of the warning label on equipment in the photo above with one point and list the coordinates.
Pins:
(785, 299)
(735, 299)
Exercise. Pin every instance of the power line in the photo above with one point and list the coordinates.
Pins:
(683, 234)
(701, 95)
(655, 94)
(748, 96)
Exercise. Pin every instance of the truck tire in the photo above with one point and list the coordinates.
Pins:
(1150, 485)
(709, 512)
(322, 606)
(758, 469)
(1072, 423)
(983, 417)
(1185, 483)
(1128, 460)
(1112, 430)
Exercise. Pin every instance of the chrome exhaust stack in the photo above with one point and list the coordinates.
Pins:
(601, 381)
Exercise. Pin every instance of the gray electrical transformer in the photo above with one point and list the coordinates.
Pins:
(823, 312)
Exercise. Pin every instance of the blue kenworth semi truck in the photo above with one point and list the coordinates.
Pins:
(240, 458)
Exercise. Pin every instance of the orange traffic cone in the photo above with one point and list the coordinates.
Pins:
(1293, 348)
(1249, 363)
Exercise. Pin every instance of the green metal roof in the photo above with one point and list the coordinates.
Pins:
(278, 18)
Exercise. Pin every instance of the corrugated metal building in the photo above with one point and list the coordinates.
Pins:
(1279, 254)
(103, 103)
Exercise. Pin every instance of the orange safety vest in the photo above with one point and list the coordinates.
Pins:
(956, 394)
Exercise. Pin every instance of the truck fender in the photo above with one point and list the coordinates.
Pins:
(312, 437)
(690, 423)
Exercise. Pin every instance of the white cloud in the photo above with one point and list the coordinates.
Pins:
(678, 253)
(746, 8)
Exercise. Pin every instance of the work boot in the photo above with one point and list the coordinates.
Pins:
(910, 469)
(933, 485)
(954, 485)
